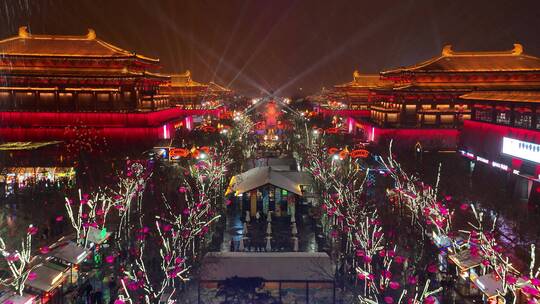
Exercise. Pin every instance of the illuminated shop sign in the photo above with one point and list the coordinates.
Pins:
(467, 154)
(522, 149)
(481, 159)
(500, 166)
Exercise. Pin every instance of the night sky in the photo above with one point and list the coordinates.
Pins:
(290, 47)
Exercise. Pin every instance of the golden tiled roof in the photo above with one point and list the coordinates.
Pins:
(364, 81)
(26, 44)
(452, 61)
(184, 80)
(511, 96)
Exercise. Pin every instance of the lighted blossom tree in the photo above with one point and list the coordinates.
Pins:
(532, 282)
(180, 232)
(128, 201)
(18, 262)
(243, 126)
(341, 181)
(92, 211)
(483, 243)
(378, 279)
(427, 211)
(140, 283)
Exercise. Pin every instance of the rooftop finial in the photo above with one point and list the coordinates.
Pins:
(23, 32)
(518, 49)
(91, 34)
(356, 75)
(447, 50)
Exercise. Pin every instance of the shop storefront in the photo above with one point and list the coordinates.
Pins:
(14, 178)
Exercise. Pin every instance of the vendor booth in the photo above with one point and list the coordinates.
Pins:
(69, 255)
(466, 266)
(48, 283)
(11, 297)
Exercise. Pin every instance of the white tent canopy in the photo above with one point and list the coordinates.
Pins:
(260, 176)
(489, 285)
(70, 252)
(46, 279)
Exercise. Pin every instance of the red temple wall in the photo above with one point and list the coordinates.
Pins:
(117, 127)
(96, 119)
(430, 139)
(113, 135)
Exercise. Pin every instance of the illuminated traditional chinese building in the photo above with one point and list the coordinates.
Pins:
(189, 94)
(427, 94)
(75, 73)
(423, 107)
(50, 82)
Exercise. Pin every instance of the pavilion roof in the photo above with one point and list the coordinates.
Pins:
(494, 61)
(510, 96)
(26, 44)
(184, 80)
(367, 81)
(260, 176)
(70, 252)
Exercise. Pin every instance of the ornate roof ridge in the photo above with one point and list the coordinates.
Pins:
(23, 33)
(448, 54)
(448, 51)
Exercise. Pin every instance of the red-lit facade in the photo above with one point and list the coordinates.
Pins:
(50, 83)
